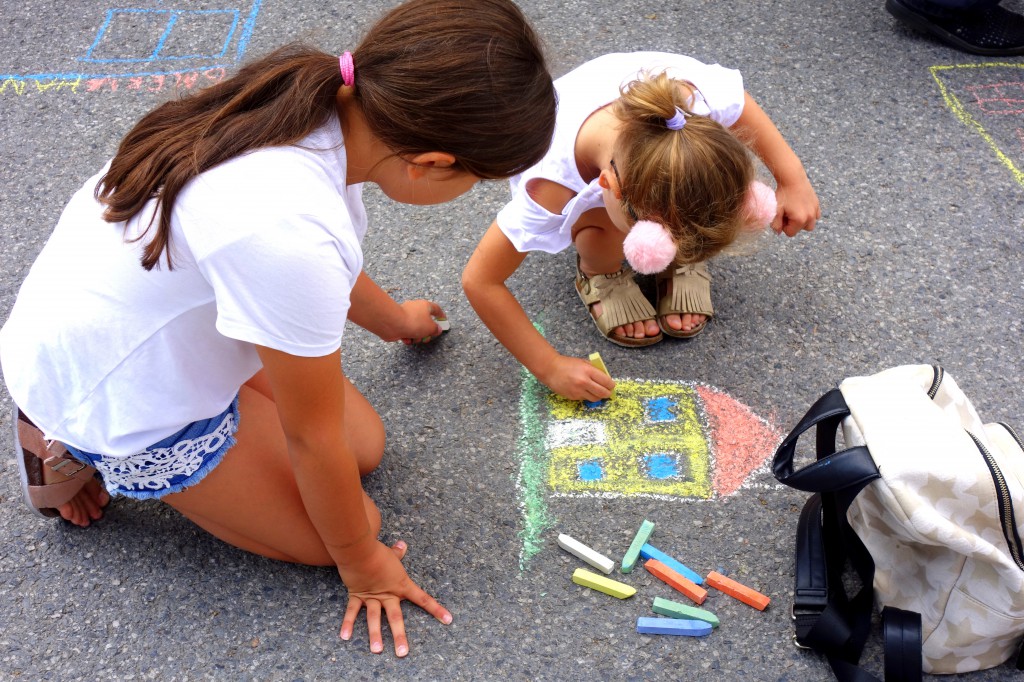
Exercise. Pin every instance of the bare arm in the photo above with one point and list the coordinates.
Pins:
(798, 204)
(375, 311)
(310, 397)
(483, 280)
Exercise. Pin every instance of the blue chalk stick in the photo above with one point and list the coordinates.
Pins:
(649, 552)
(672, 626)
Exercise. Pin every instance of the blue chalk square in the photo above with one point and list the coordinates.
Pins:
(662, 466)
(660, 410)
(590, 470)
(594, 404)
(129, 35)
(199, 34)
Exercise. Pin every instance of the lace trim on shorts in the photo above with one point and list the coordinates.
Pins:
(159, 471)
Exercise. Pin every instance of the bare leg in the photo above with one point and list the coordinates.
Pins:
(251, 500)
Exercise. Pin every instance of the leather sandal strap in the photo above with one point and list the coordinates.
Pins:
(53, 453)
(53, 495)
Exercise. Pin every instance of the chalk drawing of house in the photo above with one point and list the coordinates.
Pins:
(650, 439)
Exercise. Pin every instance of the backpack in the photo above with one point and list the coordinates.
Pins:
(926, 503)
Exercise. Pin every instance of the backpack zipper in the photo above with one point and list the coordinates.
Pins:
(1006, 517)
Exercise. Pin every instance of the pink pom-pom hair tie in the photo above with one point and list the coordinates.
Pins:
(649, 248)
(759, 205)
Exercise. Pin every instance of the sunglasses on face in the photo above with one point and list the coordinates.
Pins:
(625, 203)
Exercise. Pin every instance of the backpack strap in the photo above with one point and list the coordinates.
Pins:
(825, 618)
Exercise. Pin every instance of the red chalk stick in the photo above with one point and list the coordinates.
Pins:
(691, 589)
(737, 590)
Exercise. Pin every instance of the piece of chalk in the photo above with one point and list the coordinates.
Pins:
(592, 557)
(651, 552)
(629, 560)
(596, 361)
(738, 590)
(581, 576)
(672, 626)
(674, 609)
(676, 581)
(443, 323)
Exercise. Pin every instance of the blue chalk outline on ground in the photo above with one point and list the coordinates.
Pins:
(244, 36)
(651, 552)
(172, 20)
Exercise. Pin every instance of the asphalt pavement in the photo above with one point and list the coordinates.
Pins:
(916, 153)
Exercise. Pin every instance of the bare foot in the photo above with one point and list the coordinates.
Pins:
(86, 506)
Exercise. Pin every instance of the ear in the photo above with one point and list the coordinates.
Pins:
(418, 165)
(606, 180)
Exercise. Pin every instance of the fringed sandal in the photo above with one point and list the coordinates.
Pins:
(621, 301)
(35, 456)
(690, 295)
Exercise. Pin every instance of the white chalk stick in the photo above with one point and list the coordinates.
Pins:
(592, 557)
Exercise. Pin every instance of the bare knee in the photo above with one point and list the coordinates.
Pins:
(368, 444)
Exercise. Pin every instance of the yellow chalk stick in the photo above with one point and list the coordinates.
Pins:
(596, 361)
(598, 582)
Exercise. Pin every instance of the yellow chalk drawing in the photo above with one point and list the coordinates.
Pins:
(958, 109)
(649, 440)
(17, 86)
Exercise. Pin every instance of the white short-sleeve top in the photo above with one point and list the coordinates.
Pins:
(266, 249)
(581, 92)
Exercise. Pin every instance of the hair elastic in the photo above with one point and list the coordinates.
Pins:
(677, 121)
(348, 69)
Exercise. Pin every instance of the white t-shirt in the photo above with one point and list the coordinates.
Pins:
(266, 248)
(581, 92)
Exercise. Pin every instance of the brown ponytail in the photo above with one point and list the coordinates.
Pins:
(692, 180)
(466, 77)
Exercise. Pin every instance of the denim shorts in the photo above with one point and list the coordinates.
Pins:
(170, 465)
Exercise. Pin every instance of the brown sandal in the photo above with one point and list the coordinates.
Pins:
(621, 301)
(34, 453)
(691, 295)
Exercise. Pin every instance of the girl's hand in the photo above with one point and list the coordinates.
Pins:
(380, 583)
(798, 208)
(577, 379)
(419, 323)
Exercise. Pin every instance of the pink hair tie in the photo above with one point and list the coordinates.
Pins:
(348, 69)
(649, 248)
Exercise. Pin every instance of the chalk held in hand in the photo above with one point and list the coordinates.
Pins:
(629, 560)
(738, 591)
(672, 626)
(596, 361)
(592, 557)
(443, 323)
(598, 582)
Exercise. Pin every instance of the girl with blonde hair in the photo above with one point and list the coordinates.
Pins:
(648, 164)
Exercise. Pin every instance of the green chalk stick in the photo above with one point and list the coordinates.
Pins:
(672, 609)
(629, 560)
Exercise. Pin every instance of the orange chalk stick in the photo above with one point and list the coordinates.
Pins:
(735, 589)
(691, 589)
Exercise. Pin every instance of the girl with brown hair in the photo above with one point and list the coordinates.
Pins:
(178, 338)
(648, 164)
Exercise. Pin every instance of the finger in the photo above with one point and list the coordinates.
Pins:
(423, 600)
(393, 610)
(348, 622)
(436, 311)
(400, 548)
(373, 626)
